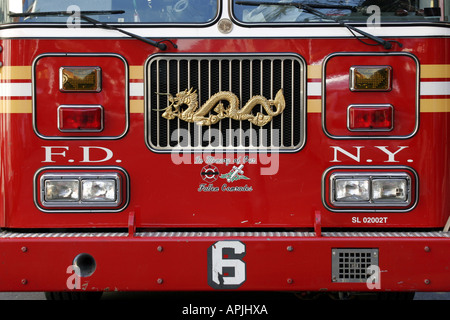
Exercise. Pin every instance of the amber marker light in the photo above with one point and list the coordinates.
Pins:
(80, 79)
(370, 78)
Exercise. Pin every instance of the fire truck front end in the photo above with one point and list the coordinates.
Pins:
(204, 145)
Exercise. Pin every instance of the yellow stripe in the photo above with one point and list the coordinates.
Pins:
(15, 106)
(15, 73)
(26, 106)
(435, 105)
(136, 106)
(24, 73)
(426, 105)
(426, 71)
(435, 71)
(314, 105)
(137, 72)
(315, 71)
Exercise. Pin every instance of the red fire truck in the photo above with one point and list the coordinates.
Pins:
(216, 145)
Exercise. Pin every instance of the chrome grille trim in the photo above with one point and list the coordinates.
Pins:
(231, 234)
(245, 75)
(432, 234)
(11, 234)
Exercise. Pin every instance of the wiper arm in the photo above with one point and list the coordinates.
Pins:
(157, 44)
(298, 5)
(84, 15)
(309, 8)
(62, 13)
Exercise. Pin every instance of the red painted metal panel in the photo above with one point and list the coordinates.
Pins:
(168, 194)
(402, 96)
(181, 263)
(48, 96)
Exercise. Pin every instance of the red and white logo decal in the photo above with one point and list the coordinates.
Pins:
(209, 173)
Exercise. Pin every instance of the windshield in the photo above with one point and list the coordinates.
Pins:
(365, 11)
(135, 11)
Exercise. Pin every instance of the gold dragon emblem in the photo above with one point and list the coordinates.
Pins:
(201, 115)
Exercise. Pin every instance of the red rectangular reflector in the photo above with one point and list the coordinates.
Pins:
(370, 118)
(80, 118)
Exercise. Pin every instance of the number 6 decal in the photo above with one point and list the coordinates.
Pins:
(226, 270)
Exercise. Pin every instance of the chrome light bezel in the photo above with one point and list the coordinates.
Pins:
(80, 106)
(363, 106)
(80, 203)
(371, 176)
(93, 69)
(356, 69)
(46, 186)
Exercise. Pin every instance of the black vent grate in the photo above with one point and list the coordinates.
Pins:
(353, 265)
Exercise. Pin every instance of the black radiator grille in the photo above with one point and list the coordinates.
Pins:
(245, 76)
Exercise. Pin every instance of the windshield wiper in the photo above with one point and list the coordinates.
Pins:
(62, 13)
(310, 8)
(84, 15)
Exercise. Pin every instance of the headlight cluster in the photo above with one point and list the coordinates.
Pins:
(85, 190)
(370, 189)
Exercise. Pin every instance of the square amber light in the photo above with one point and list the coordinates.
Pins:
(370, 78)
(80, 79)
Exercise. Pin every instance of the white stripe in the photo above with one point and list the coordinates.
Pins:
(24, 89)
(314, 89)
(435, 88)
(136, 89)
(15, 89)
(169, 32)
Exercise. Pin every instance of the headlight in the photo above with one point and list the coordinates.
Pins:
(390, 190)
(351, 190)
(62, 190)
(99, 190)
(370, 189)
(80, 190)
